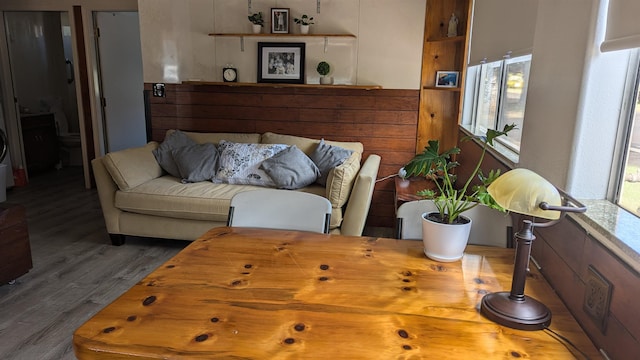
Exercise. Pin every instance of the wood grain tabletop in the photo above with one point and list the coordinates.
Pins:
(269, 294)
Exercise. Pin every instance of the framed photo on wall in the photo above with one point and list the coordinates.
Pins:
(279, 20)
(281, 62)
(447, 78)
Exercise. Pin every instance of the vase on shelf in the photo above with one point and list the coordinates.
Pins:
(257, 28)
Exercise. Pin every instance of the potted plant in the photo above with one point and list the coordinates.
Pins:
(451, 202)
(323, 69)
(258, 22)
(304, 21)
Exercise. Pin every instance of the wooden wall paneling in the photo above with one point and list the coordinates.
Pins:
(385, 121)
(558, 252)
(626, 291)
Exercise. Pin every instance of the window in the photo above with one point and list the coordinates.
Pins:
(499, 97)
(628, 195)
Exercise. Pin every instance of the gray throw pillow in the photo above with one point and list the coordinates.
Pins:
(291, 169)
(196, 162)
(163, 155)
(327, 157)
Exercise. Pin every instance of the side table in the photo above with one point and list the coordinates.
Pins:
(15, 250)
(406, 190)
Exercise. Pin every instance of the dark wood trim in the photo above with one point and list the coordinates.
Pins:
(85, 93)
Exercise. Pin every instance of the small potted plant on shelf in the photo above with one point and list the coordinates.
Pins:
(304, 21)
(438, 228)
(258, 22)
(323, 69)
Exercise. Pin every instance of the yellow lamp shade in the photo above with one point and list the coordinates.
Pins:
(522, 191)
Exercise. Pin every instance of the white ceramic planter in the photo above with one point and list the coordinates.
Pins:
(304, 29)
(326, 80)
(256, 28)
(444, 242)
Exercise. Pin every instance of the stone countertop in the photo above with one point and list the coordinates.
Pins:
(617, 229)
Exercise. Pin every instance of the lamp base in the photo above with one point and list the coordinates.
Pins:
(525, 314)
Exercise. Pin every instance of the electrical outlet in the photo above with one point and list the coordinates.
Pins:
(597, 297)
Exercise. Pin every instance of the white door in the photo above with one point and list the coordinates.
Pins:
(120, 61)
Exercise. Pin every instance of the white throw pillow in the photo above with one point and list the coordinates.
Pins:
(240, 163)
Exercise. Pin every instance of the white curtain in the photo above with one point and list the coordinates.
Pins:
(502, 28)
(623, 25)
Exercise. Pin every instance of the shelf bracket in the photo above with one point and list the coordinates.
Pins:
(241, 43)
(326, 43)
(317, 6)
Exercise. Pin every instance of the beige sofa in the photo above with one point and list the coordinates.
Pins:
(139, 199)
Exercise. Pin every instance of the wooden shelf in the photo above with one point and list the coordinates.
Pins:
(275, 85)
(460, 38)
(280, 35)
(438, 88)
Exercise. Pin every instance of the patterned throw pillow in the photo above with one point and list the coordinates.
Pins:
(240, 163)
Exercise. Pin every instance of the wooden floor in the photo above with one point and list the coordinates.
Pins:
(76, 271)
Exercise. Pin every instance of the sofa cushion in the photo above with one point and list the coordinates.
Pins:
(327, 157)
(214, 138)
(291, 169)
(340, 181)
(166, 196)
(163, 154)
(308, 145)
(132, 167)
(196, 162)
(240, 163)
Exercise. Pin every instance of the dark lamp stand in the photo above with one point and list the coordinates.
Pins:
(514, 309)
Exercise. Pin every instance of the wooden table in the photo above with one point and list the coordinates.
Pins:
(270, 294)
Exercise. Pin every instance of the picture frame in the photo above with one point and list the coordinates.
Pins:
(281, 62)
(448, 79)
(279, 20)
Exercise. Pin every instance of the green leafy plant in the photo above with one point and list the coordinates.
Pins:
(257, 19)
(438, 166)
(323, 68)
(304, 20)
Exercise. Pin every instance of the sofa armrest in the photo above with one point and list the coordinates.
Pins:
(107, 195)
(360, 199)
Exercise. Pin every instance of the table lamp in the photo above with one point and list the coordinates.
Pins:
(524, 192)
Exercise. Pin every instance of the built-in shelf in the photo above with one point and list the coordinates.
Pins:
(275, 85)
(447, 39)
(280, 35)
(244, 35)
(456, 89)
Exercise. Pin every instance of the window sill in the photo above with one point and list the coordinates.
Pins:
(499, 151)
(615, 228)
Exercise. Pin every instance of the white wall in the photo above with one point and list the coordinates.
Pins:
(387, 50)
(574, 99)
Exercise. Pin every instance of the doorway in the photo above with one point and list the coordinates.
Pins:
(41, 63)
